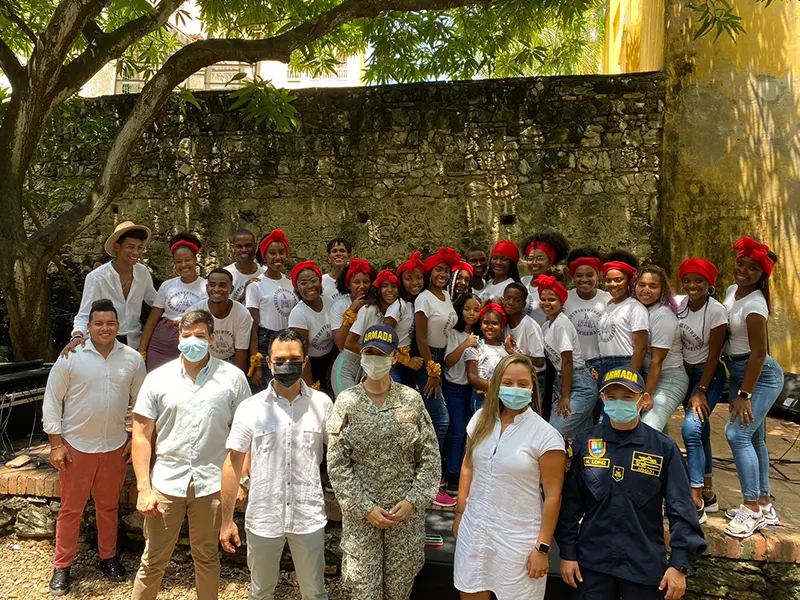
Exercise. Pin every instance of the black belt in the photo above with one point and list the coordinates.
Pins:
(737, 356)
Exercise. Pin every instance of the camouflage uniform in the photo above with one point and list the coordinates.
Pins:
(378, 456)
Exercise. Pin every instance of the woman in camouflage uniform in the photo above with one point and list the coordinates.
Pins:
(384, 465)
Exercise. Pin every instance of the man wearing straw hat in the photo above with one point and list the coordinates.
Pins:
(124, 280)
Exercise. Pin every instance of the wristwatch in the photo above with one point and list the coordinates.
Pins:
(543, 548)
(683, 569)
(745, 395)
(245, 482)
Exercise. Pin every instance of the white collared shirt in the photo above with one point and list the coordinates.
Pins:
(193, 420)
(103, 282)
(286, 442)
(87, 397)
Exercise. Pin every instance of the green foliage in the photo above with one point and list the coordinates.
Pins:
(720, 17)
(262, 103)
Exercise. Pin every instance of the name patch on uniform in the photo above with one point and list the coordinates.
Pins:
(336, 425)
(618, 473)
(597, 448)
(405, 415)
(598, 463)
(649, 464)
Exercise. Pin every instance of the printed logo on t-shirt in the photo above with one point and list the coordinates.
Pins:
(585, 321)
(690, 340)
(607, 328)
(553, 355)
(223, 343)
(182, 301)
(284, 301)
(450, 323)
(323, 341)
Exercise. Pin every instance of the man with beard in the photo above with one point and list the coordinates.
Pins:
(245, 270)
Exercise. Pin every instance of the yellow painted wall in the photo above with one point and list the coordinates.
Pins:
(634, 36)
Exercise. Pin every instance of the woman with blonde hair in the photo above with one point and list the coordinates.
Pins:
(503, 528)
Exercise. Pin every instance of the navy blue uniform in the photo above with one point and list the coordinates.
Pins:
(616, 483)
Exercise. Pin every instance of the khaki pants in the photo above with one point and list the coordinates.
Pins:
(161, 533)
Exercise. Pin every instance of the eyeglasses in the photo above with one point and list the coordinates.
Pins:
(540, 258)
(132, 248)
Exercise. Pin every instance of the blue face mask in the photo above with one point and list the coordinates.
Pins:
(193, 349)
(515, 398)
(622, 411)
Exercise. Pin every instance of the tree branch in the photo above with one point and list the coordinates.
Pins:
(19, 22)
(10, 65)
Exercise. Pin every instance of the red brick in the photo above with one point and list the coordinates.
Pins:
(40, 481)
(734, 548)
(3, 483)
(30, 484)
(50, 485)
(773, 547)
(758, 547)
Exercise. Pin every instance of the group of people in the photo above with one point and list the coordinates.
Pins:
(453, 381)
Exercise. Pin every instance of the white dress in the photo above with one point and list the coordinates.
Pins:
(504, 510)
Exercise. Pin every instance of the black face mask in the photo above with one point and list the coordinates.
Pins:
(288, 373)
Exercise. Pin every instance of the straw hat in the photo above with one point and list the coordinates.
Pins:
(122, 229)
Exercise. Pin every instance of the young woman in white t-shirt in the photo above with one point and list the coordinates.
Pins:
(541, 251)
(756, 381)
(503, 270)
(666, 379)
(310, 318)
(460, 281)
(482, 359)
(703, 323)
(575, 389)
(175, 296)
(586, 303)
(622, 328)
(383, 293)
(270, 301)
(339, 254)
(400, 317)
(354, 284)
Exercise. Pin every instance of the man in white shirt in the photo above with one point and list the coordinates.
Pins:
(125, 281)
(85, 404)
(339, 254)
(285, 429)
(188, 405)
(246, 269)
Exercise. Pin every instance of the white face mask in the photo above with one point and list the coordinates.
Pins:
(376, 367)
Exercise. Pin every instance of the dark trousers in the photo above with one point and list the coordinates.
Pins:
(599, 586)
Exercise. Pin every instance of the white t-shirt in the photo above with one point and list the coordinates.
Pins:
(585, 315)
(338, 308)
(696, 328)
(367, 317)
(528, 337)
(231, 333)
(403, 314)
(441, 316)
(617, 325)
(240, 279)
(176, 297)
(487, 357)
(492, 290)
(458, 372)
(561, 336)
(664, 333)
(532, 304)
(738, 310)
(320, 337)
(274, 299)
(329, 289)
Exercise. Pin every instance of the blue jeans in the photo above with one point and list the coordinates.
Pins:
(697, 433)
(459, 408)
(402, 374)
(435, 405)
(476, 400)
(749, 444)
(582, 398)
(611, 362)
(670, 392)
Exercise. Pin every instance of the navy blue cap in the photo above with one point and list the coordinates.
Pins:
(629, 378)
(382, 337)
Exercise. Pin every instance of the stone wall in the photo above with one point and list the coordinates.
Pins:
(394, 169)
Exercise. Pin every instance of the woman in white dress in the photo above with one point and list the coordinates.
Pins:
(503, 528)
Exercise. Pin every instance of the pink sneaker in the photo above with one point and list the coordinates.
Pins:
(443, 499)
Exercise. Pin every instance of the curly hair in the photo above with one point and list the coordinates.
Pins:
(554, 239)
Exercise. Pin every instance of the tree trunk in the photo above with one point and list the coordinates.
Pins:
(27, 296)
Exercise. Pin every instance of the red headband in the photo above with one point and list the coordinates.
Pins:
(464, 266)
(700, 267)
(193, 247)
(584, 261)
(548, 282)
(302, 266)
(618, 265)
(276, 235)
(357, 265)
(496, 308)
(443, 255)
(412, 263)
(756, 251)
(544, 247)
(506, 248)
(383, 277)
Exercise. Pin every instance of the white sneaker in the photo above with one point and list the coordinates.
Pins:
(732, 512)
(746, 523)
(769, 514)
(701, 514)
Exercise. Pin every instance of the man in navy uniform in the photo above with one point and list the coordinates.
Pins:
(610, 531)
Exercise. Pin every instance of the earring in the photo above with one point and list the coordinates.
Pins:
(712, 290)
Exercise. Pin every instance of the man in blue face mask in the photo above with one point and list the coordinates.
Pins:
(610, 530)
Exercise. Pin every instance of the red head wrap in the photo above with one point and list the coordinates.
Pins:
(493, 306)
(756, 251)
(303, 266)
(506, 248)
(179, 243)
(544, 247)
(384, 276)
(357, 265)
(276, 235)
(443, 255)
(464, 266)
(548, 282)
(414, 262)
(586, 261)
(618, 265)
(700, 267)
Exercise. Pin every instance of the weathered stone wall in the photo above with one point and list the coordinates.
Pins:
(394, 169)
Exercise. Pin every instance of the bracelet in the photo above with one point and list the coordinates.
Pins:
(255, 362)
(56, 447)
(702, 388)
(349, 318)
(77, 336)
(143, 354)
(434, 368)
(404, 355)
(316, 385)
